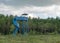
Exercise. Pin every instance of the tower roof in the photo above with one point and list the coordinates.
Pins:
(24, 14)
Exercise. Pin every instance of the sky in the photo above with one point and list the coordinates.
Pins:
(34, 8)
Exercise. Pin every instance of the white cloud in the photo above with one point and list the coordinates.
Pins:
(43, 12)
(33, 11)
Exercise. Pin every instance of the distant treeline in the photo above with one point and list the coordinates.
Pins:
(36, 25)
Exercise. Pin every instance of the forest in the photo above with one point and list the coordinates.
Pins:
(35, 25)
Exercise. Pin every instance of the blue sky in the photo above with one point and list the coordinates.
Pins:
(35, 8)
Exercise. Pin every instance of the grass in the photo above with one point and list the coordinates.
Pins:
(30, 39)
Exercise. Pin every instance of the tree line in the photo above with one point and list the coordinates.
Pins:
(35, 25)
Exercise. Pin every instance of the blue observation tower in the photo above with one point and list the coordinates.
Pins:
(24, 19)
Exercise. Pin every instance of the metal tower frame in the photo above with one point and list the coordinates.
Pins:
(16, 24)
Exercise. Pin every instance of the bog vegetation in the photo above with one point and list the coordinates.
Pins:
(36, 25)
